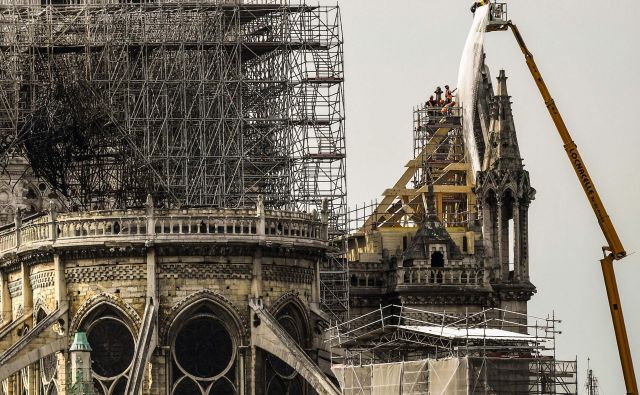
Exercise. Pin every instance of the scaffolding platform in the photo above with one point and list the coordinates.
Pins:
(491, 351)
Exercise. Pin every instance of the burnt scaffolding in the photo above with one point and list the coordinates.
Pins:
(197, 104)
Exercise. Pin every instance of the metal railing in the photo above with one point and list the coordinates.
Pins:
(437, 116)
(439, 276)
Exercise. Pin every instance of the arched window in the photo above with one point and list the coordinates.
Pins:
(204, 357)
(48, 365)
(280, 377)
(113, 344)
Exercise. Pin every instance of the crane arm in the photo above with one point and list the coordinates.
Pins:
(610, 234)
(615, 248)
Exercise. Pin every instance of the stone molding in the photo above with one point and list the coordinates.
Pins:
(43, 279)
(15, 288)
(205, 270)
(289, 274)
(293, 298)
(205, 295)
(113, 301)
(113, 272)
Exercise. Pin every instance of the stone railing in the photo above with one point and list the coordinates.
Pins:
(439, 276)
(161, 225)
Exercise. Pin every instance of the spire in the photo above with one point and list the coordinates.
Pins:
(80, 354)
(502, 84)
(503, 151)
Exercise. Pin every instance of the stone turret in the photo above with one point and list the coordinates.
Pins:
(80, 353)
(504, 194)
(503, 152)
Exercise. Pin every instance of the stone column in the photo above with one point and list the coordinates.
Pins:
(53, 225)
(152, 286)
(516, 240)
(524, 238)
(324, 218)
(5, 297)
(27, 292)
(315, 288)
(260, 214)
(256, 278)
(60, 281)
(18, 224)
(32, 379)
(12, 380)
(503, 242)
(488, 222)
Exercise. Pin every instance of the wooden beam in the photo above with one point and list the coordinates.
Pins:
(411, 192)
(412, 166)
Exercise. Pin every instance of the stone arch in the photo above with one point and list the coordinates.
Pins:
(39, 306)
(197, 298)
(291, 297)
(204, 332)
(111, 326)
(291, 300)
(292, 316)
(100, 300)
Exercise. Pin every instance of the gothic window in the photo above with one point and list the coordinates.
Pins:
(280, 377)
(48, 365)
(113, 346)
(4, 197)
(203, 355)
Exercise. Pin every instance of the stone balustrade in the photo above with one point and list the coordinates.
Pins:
(161, 224)
(439, 276)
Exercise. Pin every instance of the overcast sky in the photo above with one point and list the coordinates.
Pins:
(397, 51)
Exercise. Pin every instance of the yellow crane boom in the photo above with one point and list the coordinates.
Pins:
(614, 249)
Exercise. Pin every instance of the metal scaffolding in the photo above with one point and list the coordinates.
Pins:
(504, 352)
(197, 104)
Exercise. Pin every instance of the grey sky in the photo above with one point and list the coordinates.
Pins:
(397, 51)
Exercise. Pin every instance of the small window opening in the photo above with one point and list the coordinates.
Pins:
(437, 259)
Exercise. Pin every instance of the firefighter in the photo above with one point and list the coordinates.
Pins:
(448, 94)
(438, 93)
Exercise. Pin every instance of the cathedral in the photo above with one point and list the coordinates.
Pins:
(173, 206)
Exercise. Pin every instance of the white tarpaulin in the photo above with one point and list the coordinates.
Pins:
(354, 380)
(386, 379)
(398, 378)
(468, 77)
(449, 376)
(469, 333)
(415, 378)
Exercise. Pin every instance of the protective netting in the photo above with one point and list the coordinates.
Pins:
(468, 77)
(449, 376)
(434, 377)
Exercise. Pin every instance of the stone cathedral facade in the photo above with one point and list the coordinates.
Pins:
(201, 292)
